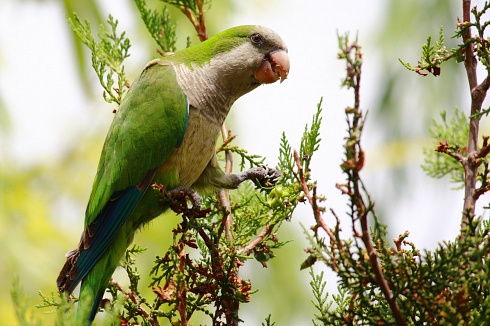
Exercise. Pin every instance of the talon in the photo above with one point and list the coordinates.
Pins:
(270, 177)
(181, 192)
(266, 168)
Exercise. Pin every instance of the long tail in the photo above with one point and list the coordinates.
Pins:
(88, 305)
(93, 287)
(101, 247)
(96, 280)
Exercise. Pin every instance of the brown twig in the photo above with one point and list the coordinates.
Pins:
(203, 35)
(199, 24)
(223, 195)
(251, 246)
(363, 212)
(481, 190)
(312, 200)
(478, 94)
(443, 147)
(355, 187)
(181, 293)
(482, 152)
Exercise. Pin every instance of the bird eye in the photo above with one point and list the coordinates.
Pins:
(256, 38)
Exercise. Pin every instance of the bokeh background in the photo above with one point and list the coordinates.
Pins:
(53, 121)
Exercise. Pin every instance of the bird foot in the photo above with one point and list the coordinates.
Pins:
(181, 193)
(263, 176)
(176, 200)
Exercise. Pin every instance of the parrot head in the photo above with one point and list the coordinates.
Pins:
(274, 63)
(249, 55)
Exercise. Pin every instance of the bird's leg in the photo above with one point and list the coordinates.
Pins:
(180, 193)
(262, 176)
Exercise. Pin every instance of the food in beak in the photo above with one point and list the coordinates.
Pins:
(275, 66)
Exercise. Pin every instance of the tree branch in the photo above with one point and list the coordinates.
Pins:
(312, 200)
(477, 97)
(199, 25)
(373, 257)
(223, 195)
(251, 246)
(443, 147)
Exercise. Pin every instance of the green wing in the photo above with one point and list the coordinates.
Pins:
(150, 123)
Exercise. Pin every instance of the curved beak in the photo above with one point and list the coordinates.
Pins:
(274, 67)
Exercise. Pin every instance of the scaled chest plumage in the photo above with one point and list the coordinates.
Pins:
(208, 108)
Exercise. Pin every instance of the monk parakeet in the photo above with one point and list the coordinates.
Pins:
(165, 132)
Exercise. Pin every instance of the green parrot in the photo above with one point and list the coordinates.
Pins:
(165, 132)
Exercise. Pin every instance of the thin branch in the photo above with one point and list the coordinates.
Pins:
(251, 246)
(312, 200)
(203, 35)
(181, 293)
(376, 266)
(443, 147)
(355, 187)
(223, 195)
(477, 97)
(470, 60)
(476, 156)
(199, 25)
(480, 191)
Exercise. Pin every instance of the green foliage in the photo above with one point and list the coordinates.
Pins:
(310, 142)
(321, 304)
(453, 132)
(432, 288)
(108, 55)
(245, 157)
(381, 284)
(21, 302)
(159, 25)
(325, 307)
(479, 40)
(432, 56)
(58, 303)
(200, 269)
(268, 322)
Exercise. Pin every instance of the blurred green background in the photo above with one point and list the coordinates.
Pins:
(53, 122)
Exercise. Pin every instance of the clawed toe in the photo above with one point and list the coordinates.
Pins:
(180, 194)
(176, 199)
(268, 176)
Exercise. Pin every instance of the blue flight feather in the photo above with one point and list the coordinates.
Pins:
(105, 228)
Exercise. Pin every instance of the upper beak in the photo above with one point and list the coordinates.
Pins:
(275, 66)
